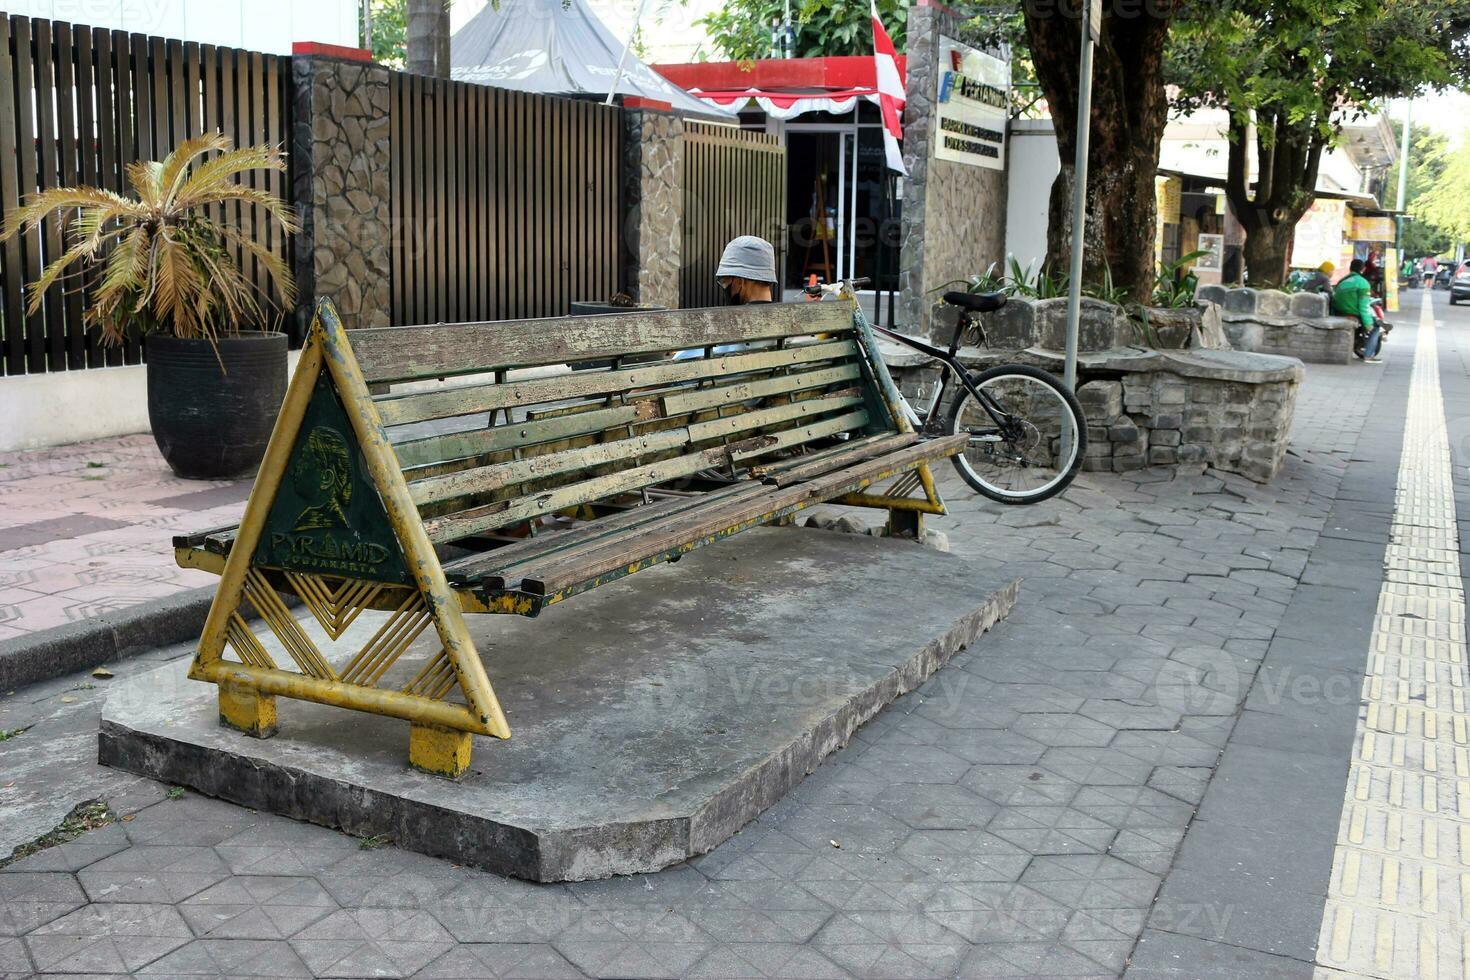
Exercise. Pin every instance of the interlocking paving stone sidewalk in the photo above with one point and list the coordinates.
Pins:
(1013, 817)
(86, 528)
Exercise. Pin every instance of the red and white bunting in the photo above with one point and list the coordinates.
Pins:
(890, 93)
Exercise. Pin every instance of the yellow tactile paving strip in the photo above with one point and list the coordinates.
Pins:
(1398, 904)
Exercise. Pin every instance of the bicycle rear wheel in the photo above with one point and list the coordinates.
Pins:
(1035, 449)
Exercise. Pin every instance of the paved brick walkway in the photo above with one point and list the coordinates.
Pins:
(86, 528)
(1016, 816)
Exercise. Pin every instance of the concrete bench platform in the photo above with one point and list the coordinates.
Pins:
(656, 719)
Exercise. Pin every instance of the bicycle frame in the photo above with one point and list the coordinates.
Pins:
(929, 422)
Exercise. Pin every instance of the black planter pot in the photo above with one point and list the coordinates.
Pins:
(212, 414)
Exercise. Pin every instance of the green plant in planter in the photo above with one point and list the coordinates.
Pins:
(162, 260)
(1174, 286)
(163, 263)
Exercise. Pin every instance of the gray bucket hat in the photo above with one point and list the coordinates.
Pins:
(748, 257)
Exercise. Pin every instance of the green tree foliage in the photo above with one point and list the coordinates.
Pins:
(1296, 69)
(390, 32)
(1428, 151)
(741, 30)
(1442, 205)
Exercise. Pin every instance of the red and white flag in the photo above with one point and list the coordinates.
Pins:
(890, 93)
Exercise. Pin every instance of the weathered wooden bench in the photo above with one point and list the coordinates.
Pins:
(433, 471)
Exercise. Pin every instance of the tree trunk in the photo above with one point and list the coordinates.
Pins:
(1129, 111)
(1289, 154)
(426, 36)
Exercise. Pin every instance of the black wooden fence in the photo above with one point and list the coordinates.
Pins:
(734, 184)
(77, 105)
(505, 204)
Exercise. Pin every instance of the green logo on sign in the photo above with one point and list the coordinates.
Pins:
(327, 517)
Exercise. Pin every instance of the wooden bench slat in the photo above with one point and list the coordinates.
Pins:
(580, 565)
(483, 479)
(464, 523)
(477, 442)
(423, 406)
(791, 438)
(835, 459)
(500, 513)
(445, 448)
(695, 399)
(484, 568)
(776, 415)
(391, 354)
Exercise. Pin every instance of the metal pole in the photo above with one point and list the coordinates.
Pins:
(1403, 178)
(628, 44)
(367, 24)
(852, 194)
(1079, 201)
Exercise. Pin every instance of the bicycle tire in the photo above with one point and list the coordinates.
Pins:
(1079, 422)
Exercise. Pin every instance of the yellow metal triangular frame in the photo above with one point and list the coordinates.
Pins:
(327, 348)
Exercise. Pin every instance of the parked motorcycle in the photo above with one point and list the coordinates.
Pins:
(1360, 334)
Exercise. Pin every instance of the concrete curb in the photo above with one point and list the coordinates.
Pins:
(129, 632)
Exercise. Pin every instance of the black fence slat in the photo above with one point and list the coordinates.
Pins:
(118, 138)
(88, 161)
(49, 176)
(734, 185)
(178, 111)
(75, 337)
(12, 326)
(80, 105)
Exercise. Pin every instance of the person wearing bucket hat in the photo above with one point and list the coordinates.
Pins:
(747, 274)
(747, 270)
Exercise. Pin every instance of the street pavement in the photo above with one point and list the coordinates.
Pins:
(1143, 771)
(86, 529)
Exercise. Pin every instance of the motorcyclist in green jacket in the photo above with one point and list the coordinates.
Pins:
(1352, 297)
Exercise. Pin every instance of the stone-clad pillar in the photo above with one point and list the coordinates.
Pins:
(653, 206)
(340, 173)
(954, 214)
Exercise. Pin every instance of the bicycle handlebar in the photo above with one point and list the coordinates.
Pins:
(818, 289)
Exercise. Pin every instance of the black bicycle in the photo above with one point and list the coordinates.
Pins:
(1027, 432)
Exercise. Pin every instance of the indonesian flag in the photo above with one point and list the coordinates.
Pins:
(890, 93)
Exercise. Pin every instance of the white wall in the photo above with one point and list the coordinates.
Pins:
(61, 407)
(1033, 165)
(71, 406)
(270, 26)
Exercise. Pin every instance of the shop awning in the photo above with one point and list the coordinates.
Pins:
(785, 105)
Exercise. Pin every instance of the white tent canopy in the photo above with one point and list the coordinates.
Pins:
(557, 48)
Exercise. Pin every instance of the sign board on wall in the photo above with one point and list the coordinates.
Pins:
(1319, 235)
(972, 106)
(1373, 229)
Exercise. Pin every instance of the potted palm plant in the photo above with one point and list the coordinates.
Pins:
(161, 264)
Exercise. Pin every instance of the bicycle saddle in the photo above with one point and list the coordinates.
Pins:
(976, 302)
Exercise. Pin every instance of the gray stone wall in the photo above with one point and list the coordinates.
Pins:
(653, 215)
(1158, 418)
(953, 214)
(341, 169)
(1269, 321)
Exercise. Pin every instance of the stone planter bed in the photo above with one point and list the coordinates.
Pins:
(1198, 405)
(1269, 321)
